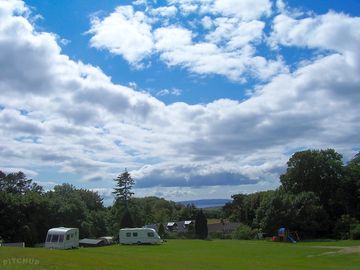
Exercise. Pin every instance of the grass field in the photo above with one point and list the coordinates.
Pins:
(189, 255)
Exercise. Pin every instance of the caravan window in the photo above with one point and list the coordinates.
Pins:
(128, 234)
(61, 238)
(55, 238)
(48, 238)
(68, 237)
(150, 234)
(135, 234)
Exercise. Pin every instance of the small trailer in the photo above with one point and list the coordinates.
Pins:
(139, 236)
(62, 238)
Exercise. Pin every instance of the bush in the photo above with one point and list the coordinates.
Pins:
(342, 227)
(216, 235)
(355, 231)
(243, 232)
(220, 235)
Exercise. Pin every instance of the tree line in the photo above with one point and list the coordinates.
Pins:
(27, 211)
(319, 196)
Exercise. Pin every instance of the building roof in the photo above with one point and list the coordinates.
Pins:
(178, 226)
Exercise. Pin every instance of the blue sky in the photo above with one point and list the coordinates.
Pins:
(196, 98)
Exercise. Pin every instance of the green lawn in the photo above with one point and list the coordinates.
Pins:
(188, 255)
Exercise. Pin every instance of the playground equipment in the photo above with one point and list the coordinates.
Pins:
(286, 235)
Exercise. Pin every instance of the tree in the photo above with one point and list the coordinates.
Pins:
(301, 212)
(124, 184)
(187, 212)
(201, 228)
(161, 231)
(92, 199)
(17, 183)
(350, 188)
(243, 232)
(126, 220)
(318, 171)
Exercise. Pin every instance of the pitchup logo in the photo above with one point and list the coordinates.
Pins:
(12, 261)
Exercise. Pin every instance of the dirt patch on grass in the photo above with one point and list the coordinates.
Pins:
(348, 250)
(341, 250)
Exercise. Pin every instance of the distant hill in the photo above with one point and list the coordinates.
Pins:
(206, 202)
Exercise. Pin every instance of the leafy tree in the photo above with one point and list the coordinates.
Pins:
(161, 231)
(126, 221)
(187, 212)
(243, 232)
(318, 171)
(243, 207)
(11, 217)
(124, 184)
(201, 228)
(301, 212)
(17, 183)
(92, 199)
(343, 227)
(355, 232)
(350, 188)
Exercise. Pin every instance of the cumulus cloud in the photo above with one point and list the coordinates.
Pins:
(173, 91)
(177, 48)
(166, 11)
(227, 49)
(331, 31)
(244, 9)
(125, 32)
(71, 117)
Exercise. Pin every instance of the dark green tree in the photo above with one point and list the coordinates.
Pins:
(317, 171)
(126, 220)
(17, 183)
(124, 184)
(92, 200)
(201, 228)
(350, 188)
(161, 231)
(301, 212)
(187, 212)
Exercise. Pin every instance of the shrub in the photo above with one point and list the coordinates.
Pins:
(343, 225)
(243, 232)
(216, 235)
(355, 231)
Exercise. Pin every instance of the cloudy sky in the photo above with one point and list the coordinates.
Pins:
(196, 98)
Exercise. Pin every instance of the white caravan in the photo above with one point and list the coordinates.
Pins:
(139, 236)
(62, 238)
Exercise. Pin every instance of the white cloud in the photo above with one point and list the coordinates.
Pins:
(58, 113)
(167, 11)
(244, 9)
(235, 33)
(177, 49)
(173, 91)
(331, 31)
(124, 32)
(228, 50)
(207, 22)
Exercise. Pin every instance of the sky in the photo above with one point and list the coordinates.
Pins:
(197, 99)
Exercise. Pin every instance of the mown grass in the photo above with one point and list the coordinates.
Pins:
(188, 255)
